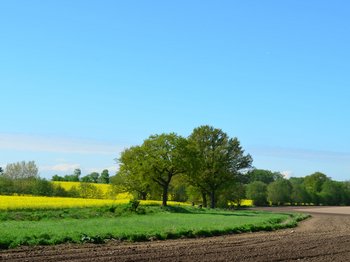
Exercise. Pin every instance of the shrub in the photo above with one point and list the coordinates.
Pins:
(133, 205)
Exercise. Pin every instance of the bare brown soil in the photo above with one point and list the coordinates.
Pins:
(324, 237)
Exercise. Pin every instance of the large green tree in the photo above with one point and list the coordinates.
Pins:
(262, 175)
(257, 191)
(91, 178)
(163, 158)
(299, 194)
(279, 192)
(156, 161)
(214, 160)
(313, 184)
(333, 193)
(104, 177)
(132, 177)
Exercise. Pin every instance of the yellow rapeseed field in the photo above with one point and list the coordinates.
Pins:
(35, 202)
(247, 202)
(106, 189)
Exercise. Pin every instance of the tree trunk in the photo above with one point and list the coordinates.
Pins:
(165, 195)
(143, 195)
(204, 198)
(212, 199)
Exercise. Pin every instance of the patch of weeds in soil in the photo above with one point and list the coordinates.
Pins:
(97, 239)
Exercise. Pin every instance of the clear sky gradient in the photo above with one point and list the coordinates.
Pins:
(82, 80)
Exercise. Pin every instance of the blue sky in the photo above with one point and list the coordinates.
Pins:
(82, 80)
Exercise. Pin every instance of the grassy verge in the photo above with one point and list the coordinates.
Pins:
(47, 227)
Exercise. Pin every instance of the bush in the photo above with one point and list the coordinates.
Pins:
(133, 205)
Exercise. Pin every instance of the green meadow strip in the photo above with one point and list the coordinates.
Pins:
(150, 224)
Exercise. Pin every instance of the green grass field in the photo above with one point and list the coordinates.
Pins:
(47, 227)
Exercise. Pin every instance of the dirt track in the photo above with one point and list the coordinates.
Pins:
(324, 237)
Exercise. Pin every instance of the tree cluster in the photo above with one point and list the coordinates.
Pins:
(205, 165)
(22, 178)
(208, 165)
(93, 177)
(315, 189)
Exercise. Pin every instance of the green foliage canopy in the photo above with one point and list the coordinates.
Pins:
(215, 160)
(157, 160)
(257, 191)
(279, 192)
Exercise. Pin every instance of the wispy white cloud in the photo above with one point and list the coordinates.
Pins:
(34, 143)
(287, 173)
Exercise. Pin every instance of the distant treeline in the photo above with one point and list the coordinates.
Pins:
(264, 187)
(42, 187)
(93, 177)
(315, 189)
(22, 178)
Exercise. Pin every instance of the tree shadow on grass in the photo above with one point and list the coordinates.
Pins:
(183, 210)
(177, 209)
(229, 214)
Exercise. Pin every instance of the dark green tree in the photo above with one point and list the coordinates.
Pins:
(257, 191)
(213, 160)
(156, 161)
(262, 175)
(333, 193)
(299, 194)
(313, 184)
(132, 177)
(75, 177)
(6, 185)
(42, 187)
(91, 178)
(104, 177)
(163, 159)
(57, 178)
(279, 192)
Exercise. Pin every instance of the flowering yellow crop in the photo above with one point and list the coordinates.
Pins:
(247, 202)
(34, 202)
(68, 185)
(106, 189)
(244, 202)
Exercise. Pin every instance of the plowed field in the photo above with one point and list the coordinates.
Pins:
(324, 237)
